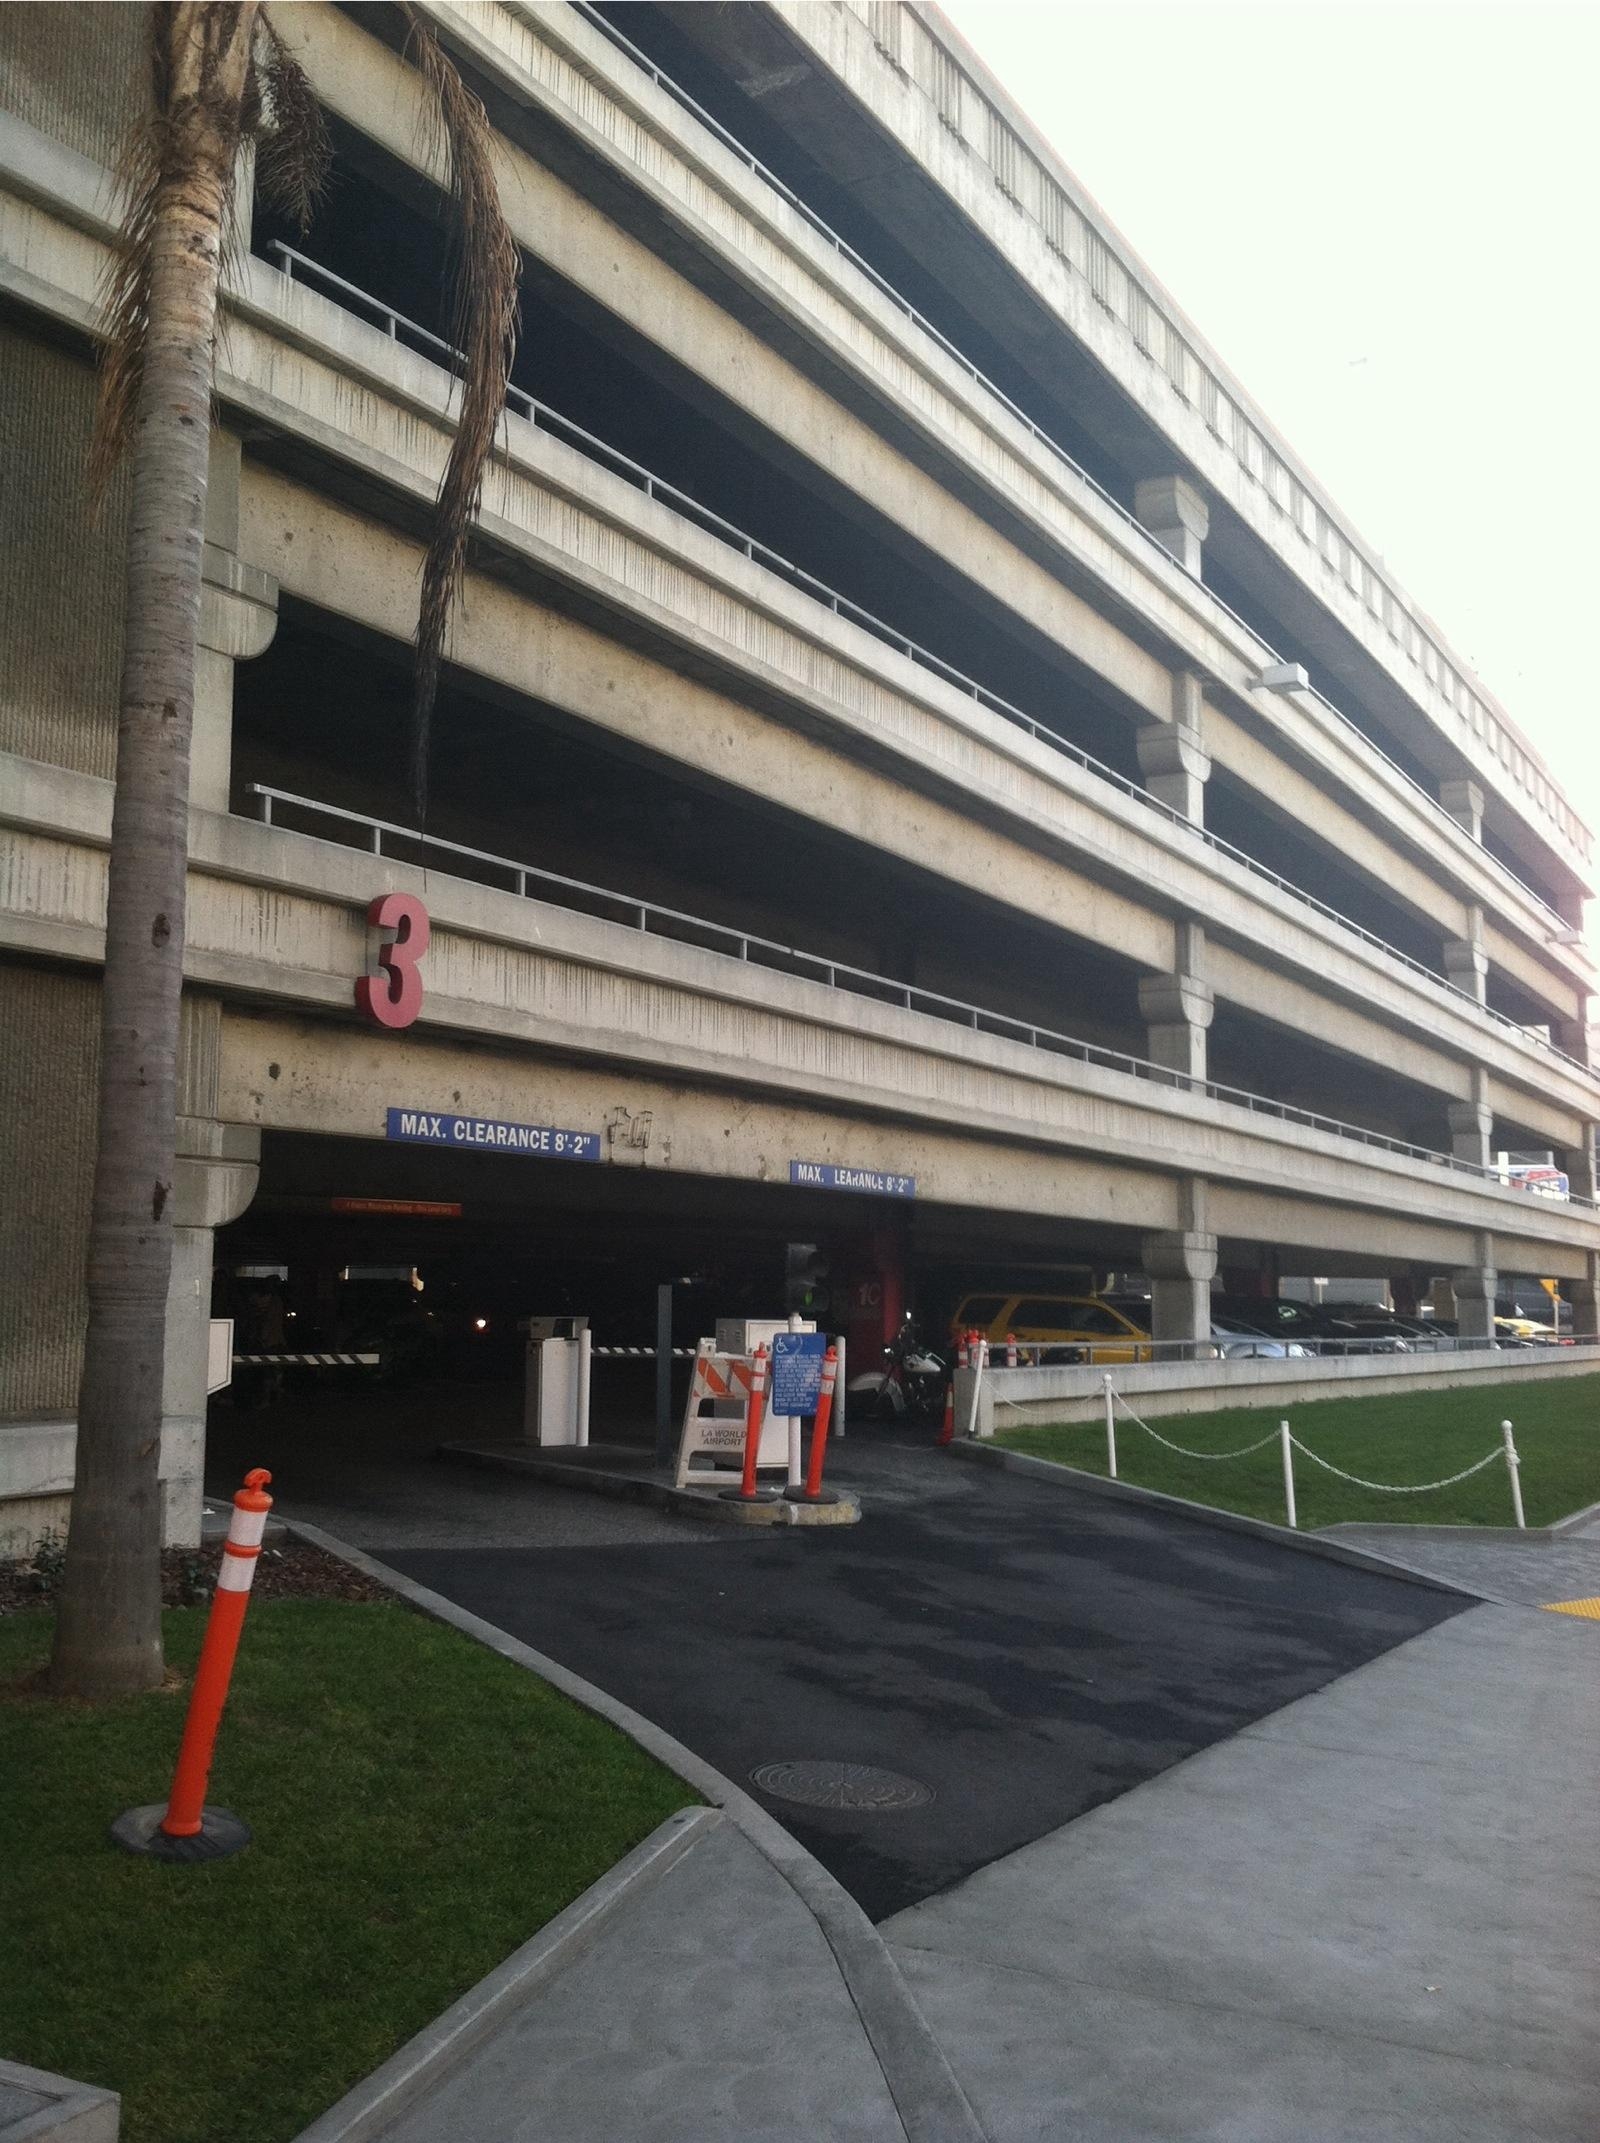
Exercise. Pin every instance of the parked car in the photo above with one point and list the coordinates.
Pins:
(1319, 1328)
(1096, 1328)
(1060, 1328)
(1237, 1343)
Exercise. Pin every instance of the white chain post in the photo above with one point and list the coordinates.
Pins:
(980, 1361)
(1288, 1475)
(1512, 1464)
(1111, 1426)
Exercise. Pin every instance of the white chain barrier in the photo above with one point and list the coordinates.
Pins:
(1506, 1451)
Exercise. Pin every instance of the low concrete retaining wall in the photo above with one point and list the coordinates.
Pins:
(1013, 1398)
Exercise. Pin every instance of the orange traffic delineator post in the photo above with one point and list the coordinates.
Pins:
(755, 1409)
(1011, 1350)
(813, 1491)
(947, 1431)
(185, 1828)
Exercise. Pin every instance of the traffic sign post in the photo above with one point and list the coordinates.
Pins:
(797, 1359)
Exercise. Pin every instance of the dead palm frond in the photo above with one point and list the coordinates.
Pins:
(277, 110)
(487, 268)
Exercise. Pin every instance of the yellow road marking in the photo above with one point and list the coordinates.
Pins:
(1589, 1609)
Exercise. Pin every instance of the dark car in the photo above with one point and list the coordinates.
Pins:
(1313, 1324)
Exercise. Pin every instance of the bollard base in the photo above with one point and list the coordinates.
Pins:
(221, 1832)
(798, 1495)
(737, 1495)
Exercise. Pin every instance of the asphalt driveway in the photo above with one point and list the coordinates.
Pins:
(1025, 1650)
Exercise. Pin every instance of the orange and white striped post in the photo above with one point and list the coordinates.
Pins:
(755, 1410)
(1011, 1350)
(187, 1829)
(812, 1491)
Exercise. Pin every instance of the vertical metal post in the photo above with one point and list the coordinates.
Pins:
(1288, 1474)
(1512, 1464)
(584, 1344)
(840, 1388)
(980, 1360)
(1111, 1426)
(664, 1374)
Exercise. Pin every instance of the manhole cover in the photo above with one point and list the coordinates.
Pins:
(841, 1785)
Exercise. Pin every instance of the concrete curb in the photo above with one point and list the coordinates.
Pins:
(703, 1504)
(1335, 1551)
(440, 2046)
(62, 2110)
(1533, 1536)
(931, 2104)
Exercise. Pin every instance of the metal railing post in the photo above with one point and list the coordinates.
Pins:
(1111, 1426)
(1288, 1474)
(1513, 1469)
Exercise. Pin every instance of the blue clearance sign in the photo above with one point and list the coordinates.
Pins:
(826, 1176)
(487, 1134)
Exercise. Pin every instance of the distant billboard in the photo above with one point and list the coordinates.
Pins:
(1547, 1181)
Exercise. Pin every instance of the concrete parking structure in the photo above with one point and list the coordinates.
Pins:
(913, 722)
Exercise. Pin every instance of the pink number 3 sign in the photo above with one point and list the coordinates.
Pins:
(393, 998)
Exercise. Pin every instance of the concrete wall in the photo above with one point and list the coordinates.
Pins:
(62, 568)
(1018, 1398)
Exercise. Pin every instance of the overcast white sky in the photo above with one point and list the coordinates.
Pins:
(1384, 218)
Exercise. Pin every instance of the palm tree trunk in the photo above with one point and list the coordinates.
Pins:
(108, 1632)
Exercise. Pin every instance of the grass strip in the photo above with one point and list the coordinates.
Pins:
(420, 1806)
(1400, 1437)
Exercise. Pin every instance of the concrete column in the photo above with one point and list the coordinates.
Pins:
(1466, 964)
(1579, 1164)
(1474, 1288)
(1571, 1037)
(238, 617)
(1584, 1295)
(1181, 1263)
(1176, 515)
(1472, 1122)
(1464, 802)
(216, 1180)
(1173, 760)
(1177, 1008)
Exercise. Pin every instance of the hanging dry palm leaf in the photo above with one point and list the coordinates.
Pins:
(484, 328)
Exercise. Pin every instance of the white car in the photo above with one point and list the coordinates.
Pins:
(1237, 1343)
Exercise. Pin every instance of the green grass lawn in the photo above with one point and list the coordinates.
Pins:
(1409, 1437)
(420, 1808)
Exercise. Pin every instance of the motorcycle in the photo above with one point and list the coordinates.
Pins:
(909, 1385)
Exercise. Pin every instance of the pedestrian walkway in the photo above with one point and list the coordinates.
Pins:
(709, 2010)
(1528, 1570)
(1368, 1918)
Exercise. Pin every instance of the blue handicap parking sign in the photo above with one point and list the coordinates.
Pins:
(797, 1372)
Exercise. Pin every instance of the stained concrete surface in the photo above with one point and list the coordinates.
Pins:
(1026, 1650)
(1527, 1570)
(709, 2009)
(1372, 1915)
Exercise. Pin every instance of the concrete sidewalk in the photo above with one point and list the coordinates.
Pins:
(709, 2009)
(1373, 1915)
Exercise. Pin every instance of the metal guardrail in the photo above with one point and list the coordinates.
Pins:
(653, 919)
(1036, 431)
(408, 332)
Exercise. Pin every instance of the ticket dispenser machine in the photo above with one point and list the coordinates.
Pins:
(555, 1393)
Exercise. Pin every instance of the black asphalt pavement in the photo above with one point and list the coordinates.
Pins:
(1026, 1650)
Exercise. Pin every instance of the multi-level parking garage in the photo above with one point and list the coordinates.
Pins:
(924, 772)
